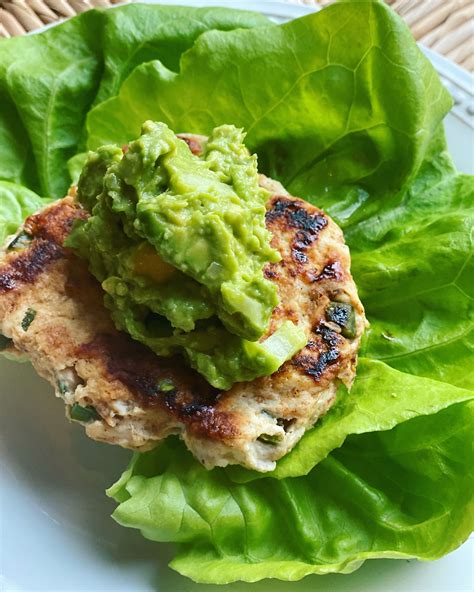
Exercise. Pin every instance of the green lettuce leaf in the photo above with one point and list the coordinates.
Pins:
(417, 284)
(380, 399)
(137, 34)
(16, 157)
(320, 114)
(406, 492)
(49, 81)
(412, 261)
(16, 203)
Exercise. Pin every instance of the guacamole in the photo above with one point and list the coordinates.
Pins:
(179, 242)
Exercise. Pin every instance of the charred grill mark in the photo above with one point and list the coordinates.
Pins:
(202, 418)
(139, 369)
(297, 215)
(328, 336)
(193, 144)
(47, 230)
(277, 208)
(54, 223)
(304, 238)
(316, 367)
(298, 254)
(191, 399)
(331, 271)
(324, 352)
(270, 273)
(28, 265)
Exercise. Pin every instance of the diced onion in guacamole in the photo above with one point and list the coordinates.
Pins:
(179, 243)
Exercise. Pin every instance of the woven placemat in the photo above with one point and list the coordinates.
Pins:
(446, 26)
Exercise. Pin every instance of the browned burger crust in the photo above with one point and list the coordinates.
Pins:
(73, 343)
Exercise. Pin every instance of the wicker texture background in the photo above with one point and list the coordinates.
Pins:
(446, 26)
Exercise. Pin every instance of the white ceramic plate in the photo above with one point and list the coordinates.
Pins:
(56, 533)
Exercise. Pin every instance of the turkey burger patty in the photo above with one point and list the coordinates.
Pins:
(51, 310)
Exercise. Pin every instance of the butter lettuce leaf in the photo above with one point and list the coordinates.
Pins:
(137, 34)
(49, 81)
(16, 157)
(16, 203)
(380, 399)
(417, 284)
(412, 261)
(319, 112)
(400, 493)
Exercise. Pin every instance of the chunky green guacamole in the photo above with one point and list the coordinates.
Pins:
(179, 243)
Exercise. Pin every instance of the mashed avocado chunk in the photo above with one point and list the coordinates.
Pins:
(179, 243)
